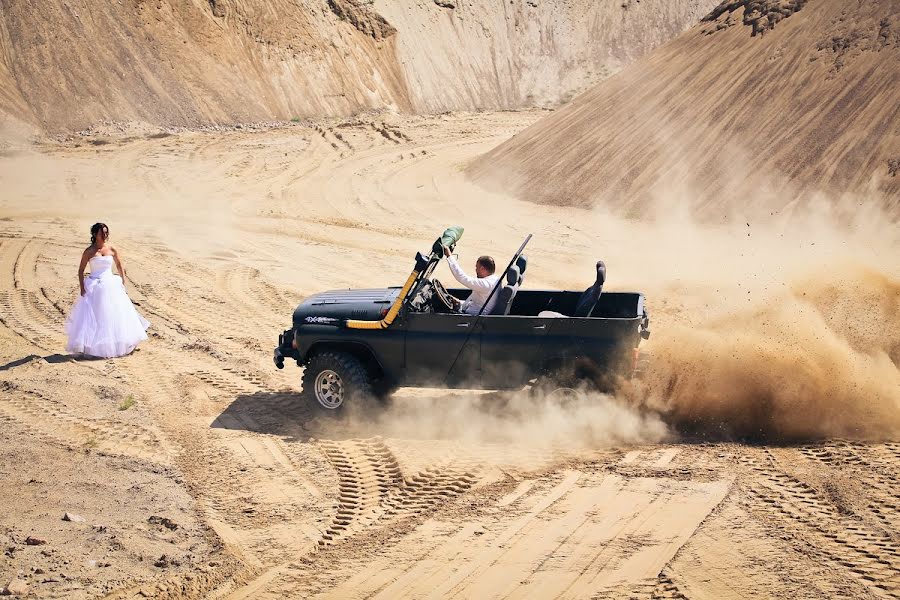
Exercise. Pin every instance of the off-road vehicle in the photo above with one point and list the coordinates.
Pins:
(362, 344)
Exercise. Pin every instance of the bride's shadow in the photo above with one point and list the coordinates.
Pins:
(55, 359)
(51, 358)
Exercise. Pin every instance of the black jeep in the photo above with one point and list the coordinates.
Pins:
(359, 344)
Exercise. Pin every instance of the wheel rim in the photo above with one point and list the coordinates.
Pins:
(329, 389)
(564, 395)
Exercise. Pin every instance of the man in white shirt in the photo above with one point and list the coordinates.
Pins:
(481, 285)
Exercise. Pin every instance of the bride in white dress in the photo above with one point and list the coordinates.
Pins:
(104, 322)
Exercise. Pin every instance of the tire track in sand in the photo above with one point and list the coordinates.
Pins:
(372, 489)
(867, 463)
(252, 494)
(220, 308)
(40, 307)
(663, 587)
(39, 413)
(245, 287)
(872, 559)
(23, 307)
(570, 535)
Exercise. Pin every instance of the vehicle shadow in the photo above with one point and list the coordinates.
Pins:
(282, 414)
(288, 415)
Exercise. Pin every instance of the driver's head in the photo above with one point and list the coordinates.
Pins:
(484, 266)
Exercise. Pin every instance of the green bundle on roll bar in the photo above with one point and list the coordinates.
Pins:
(449, 239)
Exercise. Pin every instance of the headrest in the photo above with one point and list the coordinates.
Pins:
(601, 272)
(513, 275)
(522, 263)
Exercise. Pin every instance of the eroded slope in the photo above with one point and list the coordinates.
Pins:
(761, 105)
(69, 64)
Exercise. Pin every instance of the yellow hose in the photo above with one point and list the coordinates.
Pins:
(392, 313)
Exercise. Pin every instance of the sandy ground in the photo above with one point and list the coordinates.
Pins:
(199, 472)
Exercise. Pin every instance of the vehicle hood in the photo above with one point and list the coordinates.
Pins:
(366, 305)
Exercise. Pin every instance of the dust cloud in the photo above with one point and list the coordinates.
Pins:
(783, 330)
(591, 420)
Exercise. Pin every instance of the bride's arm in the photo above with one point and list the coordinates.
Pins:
(85, 256)
(119, 265)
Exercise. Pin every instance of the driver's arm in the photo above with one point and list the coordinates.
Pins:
(473, 283)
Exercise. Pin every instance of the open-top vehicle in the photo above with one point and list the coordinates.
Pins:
(357, 344)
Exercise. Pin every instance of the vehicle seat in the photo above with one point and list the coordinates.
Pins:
(508, 292)
(589, 297)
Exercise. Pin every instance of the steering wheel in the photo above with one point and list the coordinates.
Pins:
(442, 301)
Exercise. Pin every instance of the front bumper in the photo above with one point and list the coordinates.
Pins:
(284, 349)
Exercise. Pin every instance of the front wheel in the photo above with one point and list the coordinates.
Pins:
(331, 379)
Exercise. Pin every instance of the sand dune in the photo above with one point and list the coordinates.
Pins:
(67, 65)
(761, 105)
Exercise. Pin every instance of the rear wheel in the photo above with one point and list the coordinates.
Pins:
(331, 379)
(572, 382)
(558, 389)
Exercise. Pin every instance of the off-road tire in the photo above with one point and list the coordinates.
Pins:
(572, 382)
(560, 388)
(345, 377)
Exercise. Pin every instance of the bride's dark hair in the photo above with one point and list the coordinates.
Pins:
(96, 228)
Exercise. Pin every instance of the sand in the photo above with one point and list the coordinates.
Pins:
(764, 108)
(649, 494)
(74, 64)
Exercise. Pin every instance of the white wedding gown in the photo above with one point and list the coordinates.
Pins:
(104, 322)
